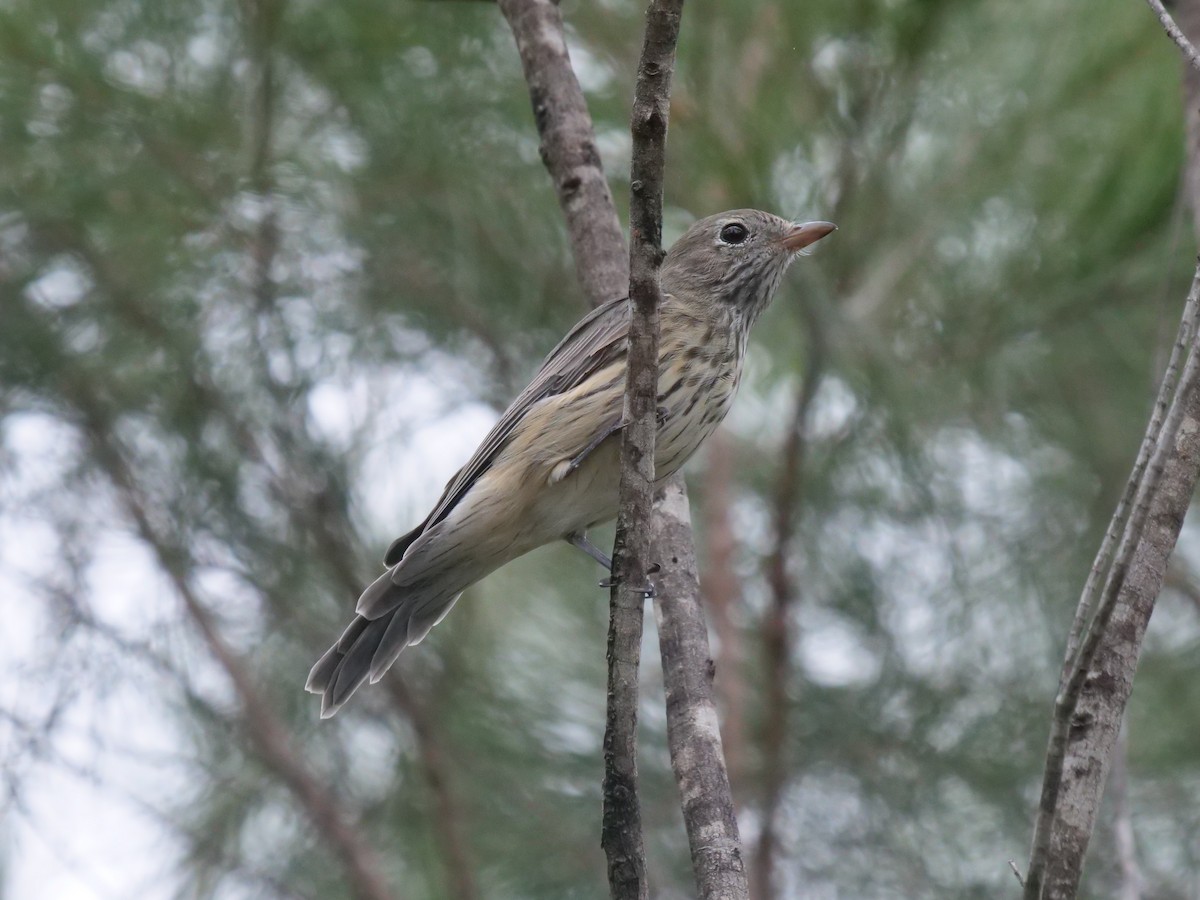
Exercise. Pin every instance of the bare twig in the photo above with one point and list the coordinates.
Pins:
(1190, 53)
(1089, 705)
(1012, 864)
(1187, 13)
(693, 734)
(777, 640)
(569, 148)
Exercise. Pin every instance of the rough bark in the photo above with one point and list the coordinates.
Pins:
(1096, 720)
(693, 733)
(1106, 637)
(1131, 882)
(1099, 674)
(568, 148)
(621, 835)
(693, 730)
(720, 587)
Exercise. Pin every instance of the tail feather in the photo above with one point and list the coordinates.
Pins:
(379, 598)
(396, 611)
(368, 647)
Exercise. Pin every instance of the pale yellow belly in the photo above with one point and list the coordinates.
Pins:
(543, 507)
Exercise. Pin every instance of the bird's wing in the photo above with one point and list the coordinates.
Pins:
(596, 341)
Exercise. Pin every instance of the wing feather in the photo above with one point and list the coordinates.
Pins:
(598, 339)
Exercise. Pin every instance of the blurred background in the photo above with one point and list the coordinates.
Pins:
(268, 271)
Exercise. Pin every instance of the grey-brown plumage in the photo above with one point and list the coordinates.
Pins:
(548, 470)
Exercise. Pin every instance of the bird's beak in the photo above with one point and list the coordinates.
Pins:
(800, 236)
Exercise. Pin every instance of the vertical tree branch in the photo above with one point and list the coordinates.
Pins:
(1189, 19)
(1124, 845)
(719, 584)
(1091, 701)
(1101, 571)
(1096, 697)
(1104, 644)
(622, 830)
(693, 731)
(568, 148)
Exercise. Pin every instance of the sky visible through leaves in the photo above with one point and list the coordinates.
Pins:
(268, 270)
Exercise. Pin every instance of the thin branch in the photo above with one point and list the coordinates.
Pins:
(1175, 33)
(693, 733)
(447, 813)
(777, 639)
(268, 734)
(1012, 864)
(621, 835)
(1116, 527)
(1141, 560)
(568, 148)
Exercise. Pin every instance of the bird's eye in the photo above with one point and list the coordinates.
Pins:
(734, 233)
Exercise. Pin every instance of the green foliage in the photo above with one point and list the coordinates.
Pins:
(265, 266)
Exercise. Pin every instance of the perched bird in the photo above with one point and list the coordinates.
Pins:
(549, 468)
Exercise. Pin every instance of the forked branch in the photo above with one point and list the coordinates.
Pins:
(1098, 674)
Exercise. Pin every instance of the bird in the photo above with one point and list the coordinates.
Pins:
(549, 469)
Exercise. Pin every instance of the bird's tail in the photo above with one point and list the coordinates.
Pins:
(369, 646)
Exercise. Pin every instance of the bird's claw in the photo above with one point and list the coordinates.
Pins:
(649, 591)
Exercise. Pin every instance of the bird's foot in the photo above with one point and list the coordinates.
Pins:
(580, 539)
(649, 591)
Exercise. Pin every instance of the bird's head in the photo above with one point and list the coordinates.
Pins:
(737, 258)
